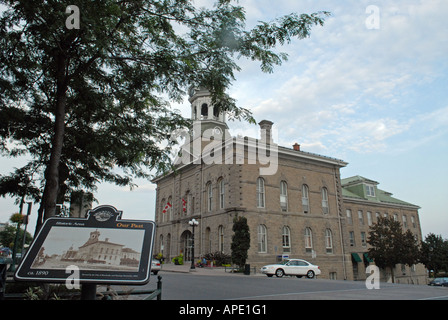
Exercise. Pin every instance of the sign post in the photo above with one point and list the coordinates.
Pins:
(99, 249)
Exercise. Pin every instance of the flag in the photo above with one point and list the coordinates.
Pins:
(166, 207)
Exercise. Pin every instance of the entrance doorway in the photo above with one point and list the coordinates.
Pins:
(185, 244)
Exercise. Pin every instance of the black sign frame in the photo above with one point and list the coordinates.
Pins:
(98, 261)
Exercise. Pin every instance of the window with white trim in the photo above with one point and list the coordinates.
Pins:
(262, 239)
(283, 196)
(260, 193)
(370, 190)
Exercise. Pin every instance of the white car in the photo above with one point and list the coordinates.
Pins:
(292, 267)
(155, 266)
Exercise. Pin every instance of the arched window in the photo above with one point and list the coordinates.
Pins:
(286, 236)
(204, 111)
(325, 200)
(160, 244)
(162, 213)
(262, 239)
(221, 239)
(221, 193)
(305, 199)
(209, 196)
(216, 112)
(170, 210)
(328, 241)
(283, 196)
(207, 240)
(308, 240)
(260, 193)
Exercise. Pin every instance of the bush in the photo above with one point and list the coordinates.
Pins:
(218, 257)
(179, 259)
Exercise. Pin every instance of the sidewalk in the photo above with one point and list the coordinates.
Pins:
(210, 271)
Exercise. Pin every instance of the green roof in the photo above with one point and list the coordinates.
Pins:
(354, 188)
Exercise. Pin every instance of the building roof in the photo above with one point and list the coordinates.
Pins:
(353, 188)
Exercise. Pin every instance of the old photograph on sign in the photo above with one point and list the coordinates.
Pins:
(91, 249)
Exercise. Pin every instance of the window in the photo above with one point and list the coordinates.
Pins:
(361, 218)
(349, 216)
(204, 111)
(352, 238)
(162, 210)
(395, 217)
(209, 196)
(260, 193)
(221, 193)
(324, 200)
(328, 241)
(363, 239)
(369, 218)
(413, 222)
(286, 235)
(215, 112)
(262, 239)
(283, 196)
(185, 203)
(308, 240)
(221, 239)
(405, 221)
(305, 199)
(370, 190)
(189, 203)
(377, 216)
(170, 208)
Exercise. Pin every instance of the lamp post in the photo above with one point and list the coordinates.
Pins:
(193, 223)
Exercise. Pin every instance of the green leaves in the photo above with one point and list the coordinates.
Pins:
(114, 78)
(240, 241)
(390, 245)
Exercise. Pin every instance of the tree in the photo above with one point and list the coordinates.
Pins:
(240, 241)
(391, 246)
(434, 253)
(92, 104)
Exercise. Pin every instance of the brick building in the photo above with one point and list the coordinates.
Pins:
(295, 202)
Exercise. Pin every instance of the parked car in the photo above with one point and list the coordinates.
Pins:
(155, 266)
(440, 282)
(292, 267)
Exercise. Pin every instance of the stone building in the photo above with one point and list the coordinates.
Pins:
(364, 203)
(295, 202)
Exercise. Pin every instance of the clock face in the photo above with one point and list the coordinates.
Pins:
(218, 131)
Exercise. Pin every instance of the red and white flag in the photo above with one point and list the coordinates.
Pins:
(168, 205)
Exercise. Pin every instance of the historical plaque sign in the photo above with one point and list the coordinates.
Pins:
(102, 248)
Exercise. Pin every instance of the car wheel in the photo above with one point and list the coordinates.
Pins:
(155, 272)
(310, 274)
(279, 273)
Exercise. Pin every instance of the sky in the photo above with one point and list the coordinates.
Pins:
(369, 87)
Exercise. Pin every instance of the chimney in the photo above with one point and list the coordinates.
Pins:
(266, 127)
(296, 146)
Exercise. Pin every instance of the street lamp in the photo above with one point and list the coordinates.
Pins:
(193, 222)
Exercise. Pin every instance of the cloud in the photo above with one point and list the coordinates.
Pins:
(349, 87)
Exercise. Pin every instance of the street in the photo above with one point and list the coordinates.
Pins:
(192, 286)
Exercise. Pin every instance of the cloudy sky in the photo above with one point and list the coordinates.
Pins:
(369, 87)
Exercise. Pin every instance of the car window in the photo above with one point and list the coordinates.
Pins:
(302, 263)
